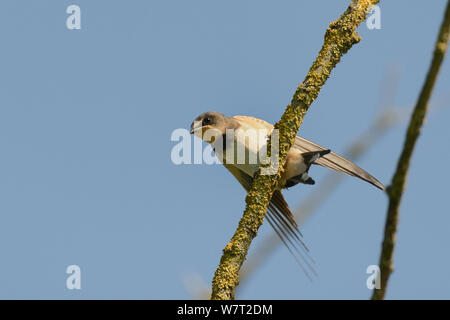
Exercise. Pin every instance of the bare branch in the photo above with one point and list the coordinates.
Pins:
(395, 191)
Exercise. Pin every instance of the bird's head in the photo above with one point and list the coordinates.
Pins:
(211, 124)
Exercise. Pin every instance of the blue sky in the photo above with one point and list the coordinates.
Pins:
(85, 122)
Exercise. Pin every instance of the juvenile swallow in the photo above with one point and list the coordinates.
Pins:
(301, 156)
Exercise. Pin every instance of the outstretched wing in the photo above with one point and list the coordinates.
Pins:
(336, 162)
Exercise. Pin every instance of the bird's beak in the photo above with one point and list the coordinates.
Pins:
(195, 126)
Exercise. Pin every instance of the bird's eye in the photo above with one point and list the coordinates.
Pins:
(206, 121)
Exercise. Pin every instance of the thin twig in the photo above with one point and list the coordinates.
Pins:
(395, 191)
(340, 36)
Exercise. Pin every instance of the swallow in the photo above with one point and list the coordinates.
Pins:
(301, 156)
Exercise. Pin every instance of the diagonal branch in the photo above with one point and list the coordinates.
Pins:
(340, 36)
(395, 191)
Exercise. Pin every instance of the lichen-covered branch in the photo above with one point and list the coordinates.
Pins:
(355, 150)
(395, 191)
(340, 36)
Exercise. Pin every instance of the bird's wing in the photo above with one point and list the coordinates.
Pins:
(252, 122)
(282, 221)
(336, 162)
